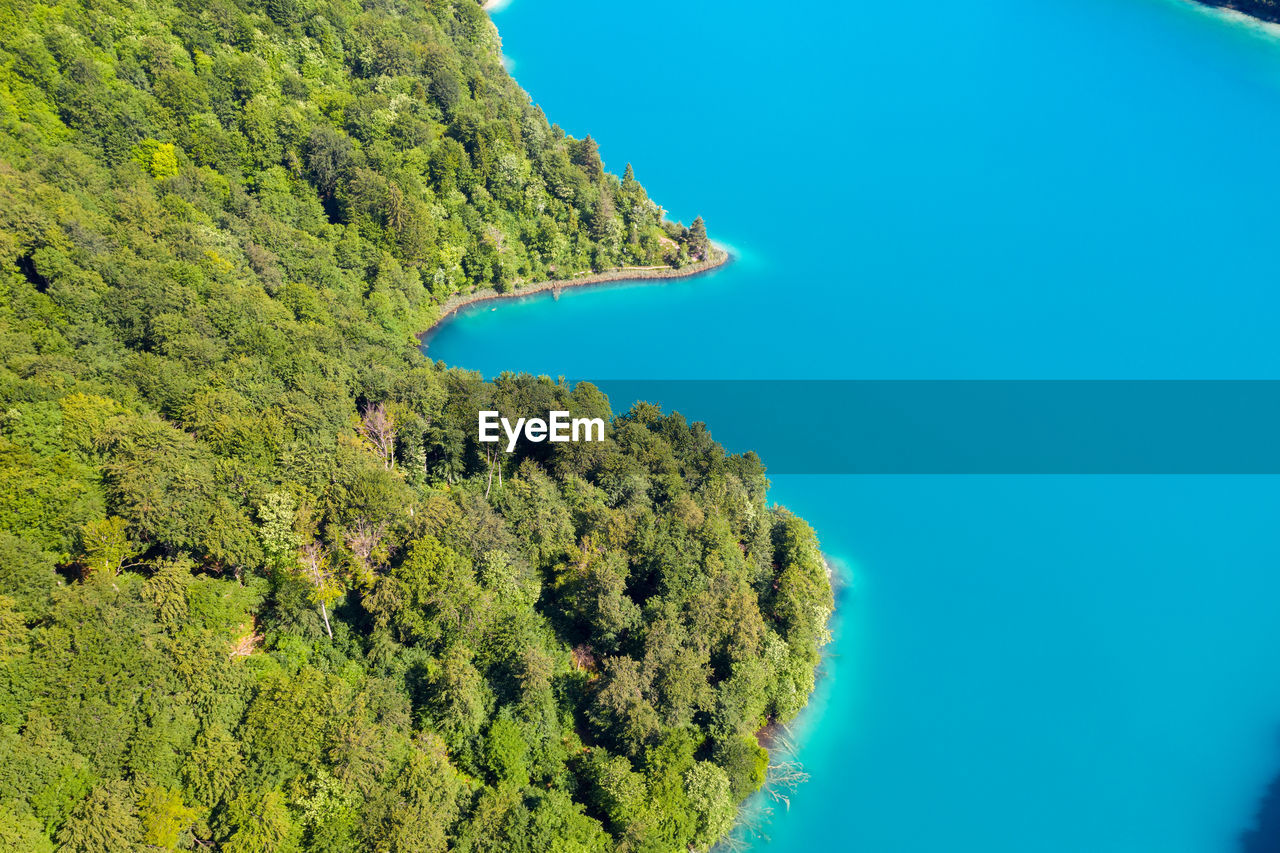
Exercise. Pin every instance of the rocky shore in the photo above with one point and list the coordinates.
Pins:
(452, 305)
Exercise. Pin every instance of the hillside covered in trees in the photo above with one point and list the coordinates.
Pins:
(261, 590)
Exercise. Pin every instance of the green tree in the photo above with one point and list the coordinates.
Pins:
(160, 159)
(213, 767)
(21, 833)
(276, 517)
(558, 825)
(698, 243)
(458, 699)
(166, 820)
(425, 803)
(166, 590)
(107, 545)
(13, 630)
(329, 158)
(259, 823)
(621, 709)
(712, 801)
(506, 752)
(104, 822)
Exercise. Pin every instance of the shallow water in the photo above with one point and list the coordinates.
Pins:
(1068, 188)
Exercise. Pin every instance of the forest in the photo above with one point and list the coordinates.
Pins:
(261, 588)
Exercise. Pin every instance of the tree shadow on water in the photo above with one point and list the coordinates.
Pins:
(1264, 835)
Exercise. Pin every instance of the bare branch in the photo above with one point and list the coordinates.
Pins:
(364, 541)
(378, 426)
(315, 568)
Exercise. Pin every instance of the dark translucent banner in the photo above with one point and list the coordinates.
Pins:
(981, 427)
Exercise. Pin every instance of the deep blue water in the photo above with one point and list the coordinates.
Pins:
(990, 189)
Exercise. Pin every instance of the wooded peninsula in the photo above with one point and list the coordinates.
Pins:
(261, 588)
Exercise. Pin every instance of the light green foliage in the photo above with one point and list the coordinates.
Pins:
(42, 774)
(328, 811)
(276, 516)
(622, 706)
(27, 573)
(259, 823)
(105, 822)
(46, 496)
(675, 822)
(499, 823)
(158, 158)
(261, 589)
(435, 594)
(675, 618)
(165, 819)
(314, 567)
(713, 805)
(21, 833)
(166, 590)
(620, 796)
(506, 752)
(213, 766)
(107, 545)
(13, 630)
(85, 418)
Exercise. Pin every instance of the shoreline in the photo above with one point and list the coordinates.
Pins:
(460, 301)
(1258, 11)
(773, 732)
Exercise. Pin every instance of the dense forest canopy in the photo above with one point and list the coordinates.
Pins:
(261, 589)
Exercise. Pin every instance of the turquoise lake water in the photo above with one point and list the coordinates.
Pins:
(990, 189)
